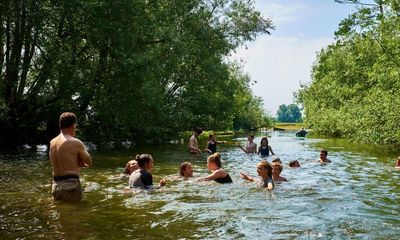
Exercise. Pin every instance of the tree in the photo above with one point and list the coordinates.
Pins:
(289, 113)
(134, 69)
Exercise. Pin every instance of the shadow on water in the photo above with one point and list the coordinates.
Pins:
(356, 196)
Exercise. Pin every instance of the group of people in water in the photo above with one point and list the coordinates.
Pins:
(68, 155)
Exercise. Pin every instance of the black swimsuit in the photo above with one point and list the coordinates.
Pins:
(212, 147)
(226, 179)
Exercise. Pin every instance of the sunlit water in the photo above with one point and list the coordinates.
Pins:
(356, 196)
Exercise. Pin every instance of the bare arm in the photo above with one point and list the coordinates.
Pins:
(83, 155)
(244, 150)
(216, 174)
(270, 149)
(247, 177)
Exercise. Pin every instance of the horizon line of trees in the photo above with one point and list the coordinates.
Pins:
(356, 80)
(132, 70)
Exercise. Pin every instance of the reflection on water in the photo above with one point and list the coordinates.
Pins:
(357, 196)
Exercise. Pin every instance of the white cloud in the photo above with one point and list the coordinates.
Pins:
(279, 13)
(279, 65)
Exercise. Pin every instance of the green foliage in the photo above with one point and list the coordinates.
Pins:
(356, 80)
(130, 69)
(289, 113)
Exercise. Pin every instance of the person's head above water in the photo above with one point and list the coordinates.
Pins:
(294, 163)
(323, 154)
(186, 170)
(197, 131)
(278, 160)
(145, 161)
(214, 161)
(264, 169)
(264, 141)
(131, 166)
(276, 168)
(398, 162)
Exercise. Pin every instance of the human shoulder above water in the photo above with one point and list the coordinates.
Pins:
(218, 174)
(251, 146)
(323, 157)
(142, 177)
(193, 143)
(67, 156)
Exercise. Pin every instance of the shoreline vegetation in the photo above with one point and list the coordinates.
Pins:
(158, 69)
(355, 81)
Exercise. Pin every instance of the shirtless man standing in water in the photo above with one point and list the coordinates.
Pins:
(67, 156)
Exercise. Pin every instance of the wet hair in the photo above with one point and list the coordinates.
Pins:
(67, 119)
(277, 164)
(143, 159)
(267, 166)
(126, 170)
(324, 151)
(183, 167)
(278, 160)
(198, 130)
(262, 139)
(293, 162)
(215, 158)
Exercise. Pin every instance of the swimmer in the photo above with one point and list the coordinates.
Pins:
(294, 163)
(276, 171)
(322, 157)
(251, 147)
(278, 160)
(398, 163)
(264, 170)
(186, 170)
(212, 144)
(142, 178)
(218, 174)
(130, 167)
(264, 149)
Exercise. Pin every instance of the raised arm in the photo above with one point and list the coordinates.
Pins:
(216, 174)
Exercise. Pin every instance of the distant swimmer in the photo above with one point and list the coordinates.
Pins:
(323, 157)
(398, 163)
(294, 164)
(193, 143)
(251, 147)
(218, 174)
(264, 149)
(301, 133)
(264, 170)
(212, 144)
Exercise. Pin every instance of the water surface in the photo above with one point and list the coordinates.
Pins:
(356, 196)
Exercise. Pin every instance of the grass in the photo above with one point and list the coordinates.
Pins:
(289, 126)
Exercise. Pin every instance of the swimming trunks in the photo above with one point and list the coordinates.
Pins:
(68, 190)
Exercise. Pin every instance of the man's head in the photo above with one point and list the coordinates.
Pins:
(323, 154)
(67, 120)
(198, 131)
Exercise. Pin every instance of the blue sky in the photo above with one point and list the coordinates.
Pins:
(280, 62)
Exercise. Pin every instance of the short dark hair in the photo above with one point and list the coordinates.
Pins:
(198, 130)
(67, 119)
(324, 151)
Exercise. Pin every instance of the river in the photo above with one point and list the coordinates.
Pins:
(356, 196)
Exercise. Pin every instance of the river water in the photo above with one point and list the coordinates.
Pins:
(356, 196)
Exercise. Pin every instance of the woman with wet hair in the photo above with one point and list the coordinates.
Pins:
(218, 174)
(264, 170)
(186, 170)
(142, 178)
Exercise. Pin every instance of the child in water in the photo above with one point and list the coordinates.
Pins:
(186, 170)
(322, 157)
(264, 170)
(276, 171)
(251, 147)
(264, 149)
(218, 174)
